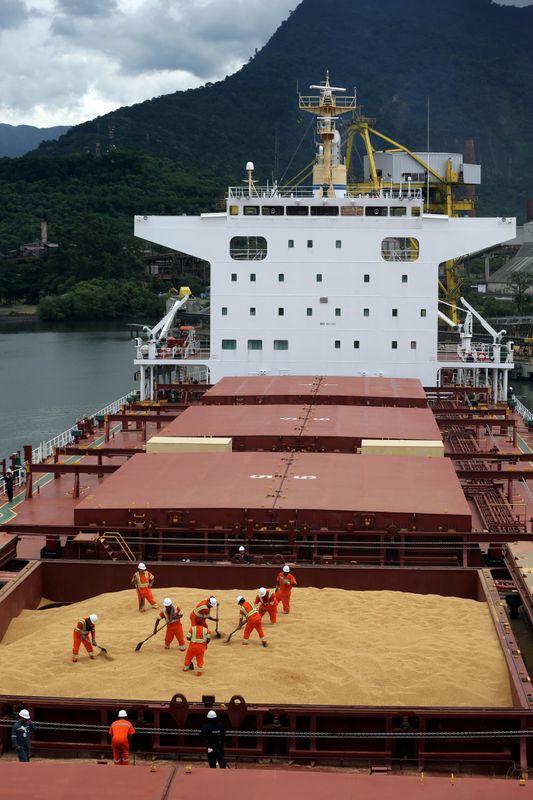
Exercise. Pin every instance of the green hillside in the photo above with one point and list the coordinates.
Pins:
(472, 58)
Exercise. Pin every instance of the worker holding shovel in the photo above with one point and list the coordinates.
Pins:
(174, 629)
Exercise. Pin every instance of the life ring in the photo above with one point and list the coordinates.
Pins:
(482, 357)
(164, 352)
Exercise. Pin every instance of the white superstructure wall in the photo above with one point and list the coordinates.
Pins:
(321, 296)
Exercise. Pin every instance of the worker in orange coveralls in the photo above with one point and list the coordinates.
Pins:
(172, 615)
(267, 603)
(198, 637)
(252, 617)
(202, 610)
(143, 582)
(285, 581)
(84, 630)
(120, 732)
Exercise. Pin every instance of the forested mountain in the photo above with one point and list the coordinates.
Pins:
(472, 58)
(15, 140)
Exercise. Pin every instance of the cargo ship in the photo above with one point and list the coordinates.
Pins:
(322, 425)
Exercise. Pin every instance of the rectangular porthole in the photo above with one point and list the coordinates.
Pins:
(394, 345)
(422, 312)
(252, 312)
(255, 344)
(394, 312)
(356, 344)
(309, 312)
(413, 345)
(281, 277)
(281, 312)
(366, 278)
(337, 312)
(337, 344)
(224, 311)
(229, 344)
(281, 344)
(366, 312)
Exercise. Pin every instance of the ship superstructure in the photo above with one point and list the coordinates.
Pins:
(328, 279)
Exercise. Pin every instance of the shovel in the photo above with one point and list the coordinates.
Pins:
(104, 653)
(140, 644)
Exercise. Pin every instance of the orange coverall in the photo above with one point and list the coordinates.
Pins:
(174, 627)
(200, 612)
(252, 616)
(268, 604)
(143, 582)
(82, 631)
(285, 582)
(120, 731)
(198, 637)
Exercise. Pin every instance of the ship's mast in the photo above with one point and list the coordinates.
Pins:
(329, 171)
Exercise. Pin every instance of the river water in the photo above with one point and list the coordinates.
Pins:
(54, 374)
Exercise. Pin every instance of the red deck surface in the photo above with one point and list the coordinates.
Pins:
(328, 427)
(62, 781)
(305, 389)
(317, 489)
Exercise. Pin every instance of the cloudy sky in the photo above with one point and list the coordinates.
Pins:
(66, 61)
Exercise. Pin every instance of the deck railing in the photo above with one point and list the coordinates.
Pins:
(46, 449)
(523, 411)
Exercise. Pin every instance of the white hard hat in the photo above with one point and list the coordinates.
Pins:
(167, 601)
(93, 618)
(213, 601)
(24, 713)
(8, 470)
(142, 565)
(122, 713)
(286, 568)
(241, 549)
(262, 591)
(240, 598)
(211, 714)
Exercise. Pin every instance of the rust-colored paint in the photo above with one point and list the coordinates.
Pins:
(321, 428)
(321, 490)
(342, 390)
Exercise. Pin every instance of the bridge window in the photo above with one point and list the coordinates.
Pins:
(248, 248)
(376, 211)
(250, 211)
(324, 211)
(297, 211)
(400, 249)
(398, 211)
(351, 211)
(272, 211)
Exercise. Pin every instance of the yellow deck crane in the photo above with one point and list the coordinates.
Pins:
(440, 189)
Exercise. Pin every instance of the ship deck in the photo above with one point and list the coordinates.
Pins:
(325, 427)
(53, 781)
(341, 390)
(321, 490)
